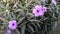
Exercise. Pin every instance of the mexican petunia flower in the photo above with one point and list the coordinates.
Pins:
(54, 2)
(12, 25)
(8, 32)
(39, 10)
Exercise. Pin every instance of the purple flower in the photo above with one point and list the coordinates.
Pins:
(39, 10)
(8, 32)
(12, 24)
(54, 2)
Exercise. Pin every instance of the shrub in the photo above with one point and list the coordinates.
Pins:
(27, 22)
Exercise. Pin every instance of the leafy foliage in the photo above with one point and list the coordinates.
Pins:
(27, 23)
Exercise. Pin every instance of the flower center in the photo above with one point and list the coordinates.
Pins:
(13, 24)
(38, 11)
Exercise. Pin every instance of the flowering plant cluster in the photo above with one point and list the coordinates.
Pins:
(28, 16)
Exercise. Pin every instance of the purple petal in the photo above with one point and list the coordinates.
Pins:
(54, 2)
(8, 32)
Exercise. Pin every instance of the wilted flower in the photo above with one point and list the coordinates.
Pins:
(43, 0)
(12, 24)
(8, 32)
(39, 10)
(15, 6)
(54, 2)
(0, 17)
